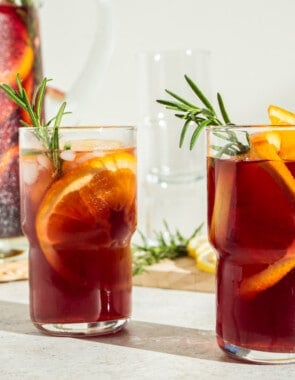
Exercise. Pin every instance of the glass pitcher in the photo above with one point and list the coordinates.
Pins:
(20, 53)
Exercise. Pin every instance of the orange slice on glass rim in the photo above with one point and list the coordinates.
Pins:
(76, 212)
(280, 116)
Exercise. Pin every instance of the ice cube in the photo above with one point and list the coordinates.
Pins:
(29, 172)
(67, 155)
(43, 161)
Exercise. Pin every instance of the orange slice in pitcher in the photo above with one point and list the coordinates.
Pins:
(16, 52)
(8, 158)
(76, 212)
(270, 276)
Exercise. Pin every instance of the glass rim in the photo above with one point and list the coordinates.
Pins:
(241, 127)
(85, 127)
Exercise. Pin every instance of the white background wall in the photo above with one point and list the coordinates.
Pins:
(252, 45)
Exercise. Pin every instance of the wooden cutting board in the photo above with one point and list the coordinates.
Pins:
(180, 274)
(14, 270)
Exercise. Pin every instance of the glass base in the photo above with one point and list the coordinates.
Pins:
(83, 329)
(254, 356)
(15, 248)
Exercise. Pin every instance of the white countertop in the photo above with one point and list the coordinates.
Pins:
(171, 336)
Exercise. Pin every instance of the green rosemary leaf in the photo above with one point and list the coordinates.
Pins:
(39, 97)
(222, 109)
(224, 150)
(19, 86)
(12, 95)
(21, 2)
(59, 115)
(222, 135)
(173, 105)
(196, 232)
(49, 137)
(180, 99)
(184, 132)
(202, 117)
(24, 124)
(199, 93)
(197, 132)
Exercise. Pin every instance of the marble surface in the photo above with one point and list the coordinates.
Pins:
(171, 336)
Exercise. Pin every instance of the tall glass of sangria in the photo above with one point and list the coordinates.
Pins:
(20, 53)
(78, 211)
(251, 224)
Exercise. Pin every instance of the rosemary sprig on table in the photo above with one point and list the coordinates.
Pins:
(166, 246)
(47, 133)
(203, 116)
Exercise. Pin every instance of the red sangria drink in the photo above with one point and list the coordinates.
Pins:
(19, 54)
(79, 221)
(251, 224)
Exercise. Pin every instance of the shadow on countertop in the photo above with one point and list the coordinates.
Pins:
(175, 340)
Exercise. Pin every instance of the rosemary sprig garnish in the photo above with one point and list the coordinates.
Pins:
(166, 246)
(203, 116)
(47, 133)
(21, 2)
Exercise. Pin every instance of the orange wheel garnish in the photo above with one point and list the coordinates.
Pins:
(78, 208)
(280, 116)
(16, 51)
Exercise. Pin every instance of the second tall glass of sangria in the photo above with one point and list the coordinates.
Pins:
(251, 223)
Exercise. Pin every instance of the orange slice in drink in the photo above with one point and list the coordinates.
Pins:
(16, 52)
(272, 147)
(266, 146)
(270, 276)
(225, 186)
(77, 213)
